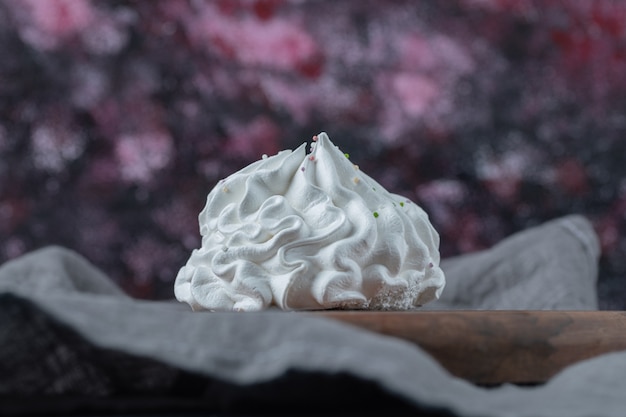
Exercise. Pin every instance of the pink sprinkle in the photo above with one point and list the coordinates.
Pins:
(315, 138)
(430, 265)
(311, 158)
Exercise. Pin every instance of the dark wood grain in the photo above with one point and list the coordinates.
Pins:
(493, 347)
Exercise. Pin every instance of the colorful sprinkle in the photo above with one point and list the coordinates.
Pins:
(430, 265)
(356, 180)
(225, 189)
(302, 169)
(376, 214)
(315, 138)
(347, 155)
(264, 156)
(311, 158)
(401, 203)
(356, 167)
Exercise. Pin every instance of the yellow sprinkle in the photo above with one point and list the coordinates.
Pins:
(356, 167)
(225, 189)
(356, 180)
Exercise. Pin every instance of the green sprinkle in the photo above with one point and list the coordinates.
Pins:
(374, 188)
(401, 204)
(347, 155)
(376, 214)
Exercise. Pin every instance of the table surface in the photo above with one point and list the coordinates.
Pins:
(494, 347)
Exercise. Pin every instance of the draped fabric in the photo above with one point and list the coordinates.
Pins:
(72, 342)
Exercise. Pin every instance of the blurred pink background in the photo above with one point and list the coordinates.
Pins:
(118, 117)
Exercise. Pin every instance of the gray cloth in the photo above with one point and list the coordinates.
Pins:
(551, 266)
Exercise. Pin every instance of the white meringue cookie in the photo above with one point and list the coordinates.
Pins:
(310, 231)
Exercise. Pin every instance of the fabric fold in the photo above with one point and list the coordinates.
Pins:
(549, 266)
(553, 266)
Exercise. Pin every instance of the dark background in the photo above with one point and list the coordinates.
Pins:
(118, 117)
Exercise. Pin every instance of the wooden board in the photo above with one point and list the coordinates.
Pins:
(493, 347)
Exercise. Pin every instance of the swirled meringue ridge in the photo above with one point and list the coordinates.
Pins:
(309, 231)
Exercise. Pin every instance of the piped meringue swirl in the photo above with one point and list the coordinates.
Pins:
(308, 231)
